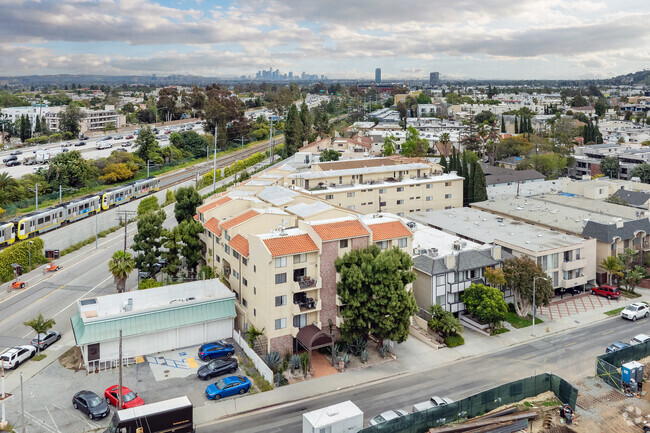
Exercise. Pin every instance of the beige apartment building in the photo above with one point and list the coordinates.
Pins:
(396, 185)
(93, 120)
(276, 247)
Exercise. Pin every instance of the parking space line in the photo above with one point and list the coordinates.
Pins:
(40, 422)
(139, 360)
(192, 362)
(76, 415)
(52, 418)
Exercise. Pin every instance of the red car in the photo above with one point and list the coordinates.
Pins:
(610, 292)
(130, 137)
(129, 398)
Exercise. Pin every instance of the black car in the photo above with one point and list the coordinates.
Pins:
(16, 152)
(81, 143)
(91, 404)
(217, 367)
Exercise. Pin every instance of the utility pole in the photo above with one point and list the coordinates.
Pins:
(96, 230)
(22, 403)
(119, 403)
(3, 420)
(36, 191)
(126, 214)
(147, 168)
(214, 165)
(271, 142)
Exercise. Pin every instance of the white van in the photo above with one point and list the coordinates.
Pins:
(104, 145)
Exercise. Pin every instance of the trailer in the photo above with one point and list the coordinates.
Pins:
(44, 155)
(343, 417)
(169, 416)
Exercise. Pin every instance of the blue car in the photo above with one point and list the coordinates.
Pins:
(614, 347)
(218, 349)
(227, 386)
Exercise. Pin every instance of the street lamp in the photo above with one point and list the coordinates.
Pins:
(535, 301)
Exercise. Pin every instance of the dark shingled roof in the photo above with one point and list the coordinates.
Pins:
(465, 260)
(497, 175)
(633, 198)
(607, 232)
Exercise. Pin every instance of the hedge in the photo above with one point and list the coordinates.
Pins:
(19, 253)
(454, 340)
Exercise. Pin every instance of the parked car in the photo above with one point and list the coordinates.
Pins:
(635, 311)
(129, 137)
(387, 416)
(217, 349)
(127, 144)
(129, 398)
(610, 292)
(83, 138)
(228, 386)
(16, 152)
(91, 404)
(47, 339)
(639, 339)
(118, 137)
(614, 347)
(81, 143)
(11, 157)
(12, 163)
(217, 367)
(432, 402)
(12, 358)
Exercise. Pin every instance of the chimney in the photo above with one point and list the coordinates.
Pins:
(450, 261)
(619, 223)
(496, 252)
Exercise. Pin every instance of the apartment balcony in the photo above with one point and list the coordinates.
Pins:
(574, 264)
(462, 285)
(307, 306)
(305, 284)
(574, 282)
(339, 321)
(339, 302)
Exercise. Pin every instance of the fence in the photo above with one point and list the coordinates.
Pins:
(109, 363)
(608, 366)
(260, 365)
(481, 403)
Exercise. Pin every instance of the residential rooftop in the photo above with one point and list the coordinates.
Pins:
(483, 227)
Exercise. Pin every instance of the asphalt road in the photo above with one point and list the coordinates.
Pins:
(570, 355)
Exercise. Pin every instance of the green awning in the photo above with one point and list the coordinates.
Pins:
(97, 330)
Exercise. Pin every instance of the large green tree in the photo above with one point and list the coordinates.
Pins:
(479, 184)
(388, 147)
(69, 119)
(329, 155)
(172, 244)
(414, 145)
(293, 132)
(613, 266)
(520, 272)
(485, 303)
(373, 288)
(148, 149)
(120, 266)
(642, 171)
(191, 250)
(147, 241)
(187, 199)
(70, 169)
(609, 167)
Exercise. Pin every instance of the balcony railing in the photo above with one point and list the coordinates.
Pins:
(574, 264)
(306, 283)
(574, 282)
(305, 307)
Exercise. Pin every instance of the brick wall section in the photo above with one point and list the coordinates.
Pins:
(329, 309)
(358, 243)
(282, 344)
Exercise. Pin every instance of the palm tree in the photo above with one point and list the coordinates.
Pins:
(121, 265)
(40, 325)
(444, 140)
(8, 186)
(612, 265)
(634, 276)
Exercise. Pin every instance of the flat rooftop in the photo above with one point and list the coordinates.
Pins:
(483, 227)
(567, 213)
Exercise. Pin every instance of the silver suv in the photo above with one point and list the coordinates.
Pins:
(635, 311)
(15, 356)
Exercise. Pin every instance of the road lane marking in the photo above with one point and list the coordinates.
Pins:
(532, 355)
(607, 332)
(570, 344)
(52, 418)
(50, 293)
(82, 296)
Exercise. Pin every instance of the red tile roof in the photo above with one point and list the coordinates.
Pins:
(340, 230)
(240, 244)
(196, 217)
(389, 230)
(287, 245)
(232, 222)
(212, 205)
(213, 226)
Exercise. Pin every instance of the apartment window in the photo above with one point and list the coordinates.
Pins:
(447, 207)
(245, 281)
(440, 280)
(329, 196)
(209, 234)
(382, 190)
(227, 249)
(411, 198)
(227, 236)
(254, 312)
(400, 189)
(440, 300)
(235, 254)
(447, 195)
(429, 198)
(447, 183)
(636, 241)
(244, 261)
(280, 300)
(382, 244)
(235, 274)
(343, 243)
(254, 268)
(244, 303)
(280, 262)
(429, 186)
(382, 203)
(351, 194)
(400, 201)
(402, 242)
(280, 278)
(280, 323)
(400, 213)
(429, 210)
(218, 259)
(300, 258)
(254, 290)
(300, 321)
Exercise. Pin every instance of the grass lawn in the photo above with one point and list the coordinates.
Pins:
(499, 331)
(614, 312)
(629, 295)
(521, 322)
(39, 357)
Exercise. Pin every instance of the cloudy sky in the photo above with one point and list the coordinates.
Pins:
(498, 39)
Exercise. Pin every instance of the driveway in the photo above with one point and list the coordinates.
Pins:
(574, 305)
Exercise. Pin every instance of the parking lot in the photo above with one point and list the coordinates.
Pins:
(48, 395)
(574, 305)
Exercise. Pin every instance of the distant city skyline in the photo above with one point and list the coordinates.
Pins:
(487, 39)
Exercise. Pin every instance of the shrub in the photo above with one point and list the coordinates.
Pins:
(19, 253)
(273, 360)
(364, 356)
(443, 322)
(205, 273)
(454, 340)
(358, 346)
(304, 362)
(149, 283)
(148, 205)
(485, 303)
(169, 198)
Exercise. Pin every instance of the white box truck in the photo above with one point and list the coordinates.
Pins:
(104, 145)
(343, 417)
